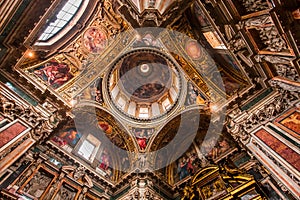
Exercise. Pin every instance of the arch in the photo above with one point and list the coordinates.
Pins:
(55, 30)
(92, 124)
(63, 17)
(166, 148)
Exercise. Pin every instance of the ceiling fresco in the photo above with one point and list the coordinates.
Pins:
(55, 72)
(143, 79)
(96, 137)
(139, 76)
(144, 84)
(149, 99)
(94, 40)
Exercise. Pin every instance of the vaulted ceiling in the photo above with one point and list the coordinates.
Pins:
(144, 85)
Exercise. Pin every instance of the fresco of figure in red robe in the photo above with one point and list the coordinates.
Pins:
(142, 136)
(94, 40)
(54, 73)
(106, 127)
(105, 162)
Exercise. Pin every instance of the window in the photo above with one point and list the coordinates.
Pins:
(143, 112)
(166, 104)
(21, 93)
(89, 147)
(86, 149)
(122, 103)
(62, 18)
(4, 123)
(214, 40)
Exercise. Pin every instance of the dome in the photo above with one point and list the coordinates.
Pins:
(144, 84)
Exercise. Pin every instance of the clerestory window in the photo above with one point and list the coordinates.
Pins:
(63, 17)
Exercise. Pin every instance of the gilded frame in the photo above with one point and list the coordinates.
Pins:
(17, 137)
(54, 174)
(70, 184)
(284, 116)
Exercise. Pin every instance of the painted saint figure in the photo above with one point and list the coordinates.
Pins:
(69, 136)
(142, 139)
(54, 74)
(94, 40)
(104, 160)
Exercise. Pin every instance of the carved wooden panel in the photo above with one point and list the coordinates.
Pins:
(38, 184)
(66, 191)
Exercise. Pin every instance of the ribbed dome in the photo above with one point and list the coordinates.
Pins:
(144, 84)
(145, 76)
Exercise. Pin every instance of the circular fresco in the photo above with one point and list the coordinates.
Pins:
(193, 49)
(145, 76)
(94, 40)
(144, 84)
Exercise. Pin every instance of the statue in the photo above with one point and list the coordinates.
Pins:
(271, 38)
(255, 5)
(273, 59)
(79, 172)
(188, 193)
(142, 160)
(83, 193)
(207, 191)
(53, 187)
(25, 175)
(237, 44)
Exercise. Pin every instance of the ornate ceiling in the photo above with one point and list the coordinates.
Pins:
(147, 86)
